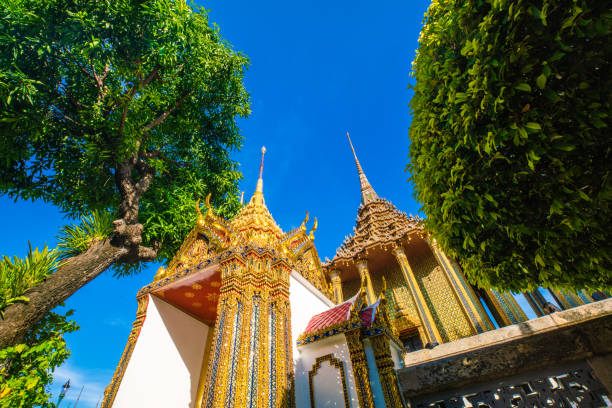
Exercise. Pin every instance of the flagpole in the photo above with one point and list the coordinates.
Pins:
(77, 400)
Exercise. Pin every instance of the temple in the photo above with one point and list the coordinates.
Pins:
(246, 315)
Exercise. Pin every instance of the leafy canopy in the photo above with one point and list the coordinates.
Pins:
(510, 139)
(94, 93)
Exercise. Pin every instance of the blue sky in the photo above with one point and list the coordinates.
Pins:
(318, 69)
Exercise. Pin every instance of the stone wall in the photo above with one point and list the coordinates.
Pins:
(553, 345)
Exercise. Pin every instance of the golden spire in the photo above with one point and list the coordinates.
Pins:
(254, 220)
(258, 195)
(367, 192)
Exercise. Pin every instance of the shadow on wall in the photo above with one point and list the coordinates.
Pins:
(189, 338)
(288, 398)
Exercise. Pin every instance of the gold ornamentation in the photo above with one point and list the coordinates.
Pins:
(360, 368)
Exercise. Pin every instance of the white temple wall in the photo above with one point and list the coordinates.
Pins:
(396, 356)
(306, 301)
(330, 379)
(164, 369)
(377, 392)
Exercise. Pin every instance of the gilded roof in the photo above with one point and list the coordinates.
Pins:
(378, 222)
(255, 222)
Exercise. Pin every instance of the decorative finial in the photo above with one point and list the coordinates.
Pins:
(242, 198)
(200, 220)
(259, 188)
(303, 226)
(314, 228)
(208, 206)
(367, 192)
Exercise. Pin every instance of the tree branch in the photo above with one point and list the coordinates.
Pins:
(161, 155)
(141, 84)
(147, 173)
(167, 113)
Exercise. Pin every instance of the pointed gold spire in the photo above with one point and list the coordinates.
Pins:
(254, 220)
(367, 192)
(258, 195)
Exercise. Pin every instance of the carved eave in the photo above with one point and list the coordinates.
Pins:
(378, 223)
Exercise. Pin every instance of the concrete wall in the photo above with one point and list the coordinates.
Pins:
(580, 334)
(335, 345)
(164, 369)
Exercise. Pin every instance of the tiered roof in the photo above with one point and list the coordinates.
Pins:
(378, 221)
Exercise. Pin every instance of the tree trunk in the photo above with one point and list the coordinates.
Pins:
(73, 274)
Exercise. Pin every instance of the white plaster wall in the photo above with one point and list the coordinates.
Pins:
(327, 384)
(308, 354)
(377, 392)
(164, 369)
(306, 301)
(396, 356)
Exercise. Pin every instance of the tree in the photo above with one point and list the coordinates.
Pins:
(126, 107)
(510, 139)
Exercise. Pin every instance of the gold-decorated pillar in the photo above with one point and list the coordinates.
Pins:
(566, 300)
(430, 330)
(360, 368)
(386, 371)
(503, 307)
(477, 317)
(334, 276)
(364, 273)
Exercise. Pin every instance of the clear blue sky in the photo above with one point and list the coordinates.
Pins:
(318, 69)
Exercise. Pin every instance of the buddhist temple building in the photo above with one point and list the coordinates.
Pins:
(247, 315)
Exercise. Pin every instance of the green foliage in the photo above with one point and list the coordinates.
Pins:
(510, 140)
(20, 274)
(75, 239)
(86, 86)
(27, 368)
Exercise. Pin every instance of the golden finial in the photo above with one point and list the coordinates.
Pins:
(242, 198)
(208, 206)
(200, 217)
(259, 187)
(303, 226)
(314, 228)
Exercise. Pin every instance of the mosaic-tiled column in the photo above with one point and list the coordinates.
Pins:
(334, 276)
(463, 293)
(362, 267)
(360, 368)
(566, 300)
(386, 371)
(250, 360)
(429, 328)
(504, 307)
(537, 302)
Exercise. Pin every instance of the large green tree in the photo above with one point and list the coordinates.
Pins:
(125, 107)
(510, 139)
